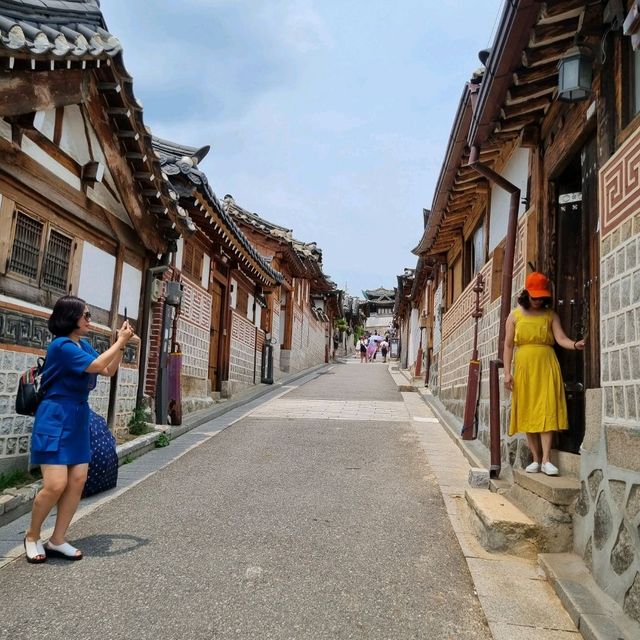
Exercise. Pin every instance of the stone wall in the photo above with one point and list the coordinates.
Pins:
(125, 399)
(308, 343)
(607, 521)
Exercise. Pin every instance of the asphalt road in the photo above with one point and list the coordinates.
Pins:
(326, 526)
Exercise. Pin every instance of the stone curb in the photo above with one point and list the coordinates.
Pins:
(596, 615)
(16, 502)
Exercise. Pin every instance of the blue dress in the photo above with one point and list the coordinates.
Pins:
(61, 429)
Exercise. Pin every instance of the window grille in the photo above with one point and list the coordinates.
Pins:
(56, 262)
(26, 246)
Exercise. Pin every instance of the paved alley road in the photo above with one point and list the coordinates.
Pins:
(315, 517)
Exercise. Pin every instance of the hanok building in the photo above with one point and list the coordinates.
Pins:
(377, 307)
(83, 206)
(223, 315)
(541, 172)
(302, 315)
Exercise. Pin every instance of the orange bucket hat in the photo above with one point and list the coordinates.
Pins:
(537, 285)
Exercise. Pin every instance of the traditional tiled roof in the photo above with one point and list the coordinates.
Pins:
(40, 35)
(180, 169)
(379, 294)
(305, 257)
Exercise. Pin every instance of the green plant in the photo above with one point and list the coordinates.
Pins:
(128, 459)
(138, 422)
(18, 478)
(341, 324)
(163, 440)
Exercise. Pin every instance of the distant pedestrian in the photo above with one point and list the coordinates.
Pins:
(372, 347)
(384, 348)
(362, 348)
(336, 343)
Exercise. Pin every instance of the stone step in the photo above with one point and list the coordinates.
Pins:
(500, 526)
(595, 614)
(559, 490)
(556, 521)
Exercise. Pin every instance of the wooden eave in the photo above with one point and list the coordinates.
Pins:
(525, 83)
(109, 83)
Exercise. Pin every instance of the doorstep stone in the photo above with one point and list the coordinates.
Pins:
(562, 490)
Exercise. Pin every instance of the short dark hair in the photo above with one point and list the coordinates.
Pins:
(65, 315)
(524, 300)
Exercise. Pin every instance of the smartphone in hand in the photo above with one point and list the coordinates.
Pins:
(126, 317)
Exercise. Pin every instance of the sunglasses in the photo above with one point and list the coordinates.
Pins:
(87, 315)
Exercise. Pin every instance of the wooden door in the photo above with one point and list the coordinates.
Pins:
(577, 296)
(215, 333)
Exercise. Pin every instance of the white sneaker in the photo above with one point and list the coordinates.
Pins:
(534, 467)
(549, 469)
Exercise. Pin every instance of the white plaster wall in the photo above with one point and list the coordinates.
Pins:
(73, 140)
(206, 267)
(179, 253)
(130, 290)
(44, 159)
(414, 337)
(44, 122)
(516, 171)
(97, 267)
(5, 129)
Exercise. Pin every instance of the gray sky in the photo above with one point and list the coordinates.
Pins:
(329, 117)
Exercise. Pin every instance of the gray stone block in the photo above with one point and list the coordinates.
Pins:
(623, 444)
(478, 477)
(9, 502)
(593, 420)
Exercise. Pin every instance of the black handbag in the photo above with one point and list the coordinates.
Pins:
(30, 391)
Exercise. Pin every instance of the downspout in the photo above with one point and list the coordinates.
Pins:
(152, 272)
(505, 303)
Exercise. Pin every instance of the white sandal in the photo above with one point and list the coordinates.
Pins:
(64, 550)
(35, 551)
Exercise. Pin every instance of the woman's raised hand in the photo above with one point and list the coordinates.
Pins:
(126, 331)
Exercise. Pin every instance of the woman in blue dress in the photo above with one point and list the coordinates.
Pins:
(60, 437)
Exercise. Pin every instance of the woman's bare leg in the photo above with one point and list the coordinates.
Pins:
(533, 440)
(69, 500)
(546, 438)
(55, 477)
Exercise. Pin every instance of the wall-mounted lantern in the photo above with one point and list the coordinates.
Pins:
(575, 74)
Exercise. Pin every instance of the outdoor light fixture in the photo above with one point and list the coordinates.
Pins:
(575, 74)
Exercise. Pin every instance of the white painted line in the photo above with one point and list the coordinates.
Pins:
(421, 419)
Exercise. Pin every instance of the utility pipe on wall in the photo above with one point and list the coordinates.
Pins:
(505, 303)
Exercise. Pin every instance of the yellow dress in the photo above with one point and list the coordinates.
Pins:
(538, 402)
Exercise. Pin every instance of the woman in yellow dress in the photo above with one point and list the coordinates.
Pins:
(538, 405)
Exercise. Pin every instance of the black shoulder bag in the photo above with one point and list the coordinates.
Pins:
(30, 390)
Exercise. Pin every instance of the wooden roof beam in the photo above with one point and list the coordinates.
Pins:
(549, 53)
(554, 10)
(24, 92)
(546, 34)
(540, 103)
(525, 75)
(529, 92)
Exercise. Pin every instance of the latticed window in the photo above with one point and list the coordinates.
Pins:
(192, 260)
(55, 271)
(25, 256)
(47, 266)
